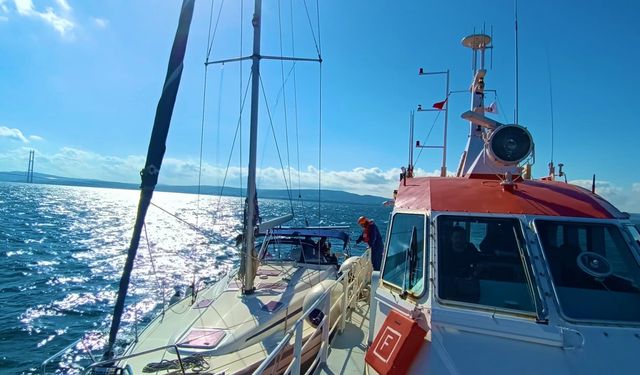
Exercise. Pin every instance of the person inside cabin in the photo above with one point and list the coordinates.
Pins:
(371, 236)
(457, 267)
(325, 250)
(464, 254)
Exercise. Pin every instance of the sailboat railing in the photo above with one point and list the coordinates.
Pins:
(110, 362)
(88, 369)
(57, 355)
(352, 283)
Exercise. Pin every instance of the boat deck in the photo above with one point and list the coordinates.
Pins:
(347, 350)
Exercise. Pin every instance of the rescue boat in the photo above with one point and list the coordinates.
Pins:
(491, 271)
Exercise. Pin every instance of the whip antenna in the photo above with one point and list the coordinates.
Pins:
(517, 75)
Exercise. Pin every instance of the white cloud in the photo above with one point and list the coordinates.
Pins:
(64, 5)
(59, 19)
(101, 23)
(35, 138)
(12, 133)
(16, 134)
(624, 198)
(74, 162)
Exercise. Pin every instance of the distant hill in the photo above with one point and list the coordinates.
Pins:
(336, 196)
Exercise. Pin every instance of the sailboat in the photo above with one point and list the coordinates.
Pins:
(231, 326)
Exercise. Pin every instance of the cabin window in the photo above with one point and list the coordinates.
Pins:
(404, 262)
(596, 275)
(480, 261)
(633, 230)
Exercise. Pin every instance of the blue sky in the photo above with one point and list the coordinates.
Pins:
(81, 80)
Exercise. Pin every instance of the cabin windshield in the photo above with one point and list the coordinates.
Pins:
(303, 250)
(596, 275)
(481, 260)
(405, 255)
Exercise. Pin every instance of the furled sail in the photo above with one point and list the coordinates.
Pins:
(155, 154)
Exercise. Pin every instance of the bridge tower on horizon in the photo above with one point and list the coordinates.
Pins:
(32, 155)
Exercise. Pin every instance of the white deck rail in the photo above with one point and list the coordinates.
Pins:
(353, 282)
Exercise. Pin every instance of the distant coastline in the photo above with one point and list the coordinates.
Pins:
(307, 195)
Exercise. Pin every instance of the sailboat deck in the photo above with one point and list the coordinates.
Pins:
(221, 307)
(347, 350)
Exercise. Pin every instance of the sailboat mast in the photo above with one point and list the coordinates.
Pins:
(155, 154)
(250, 219)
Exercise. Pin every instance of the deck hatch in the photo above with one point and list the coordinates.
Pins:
(204, 338)
(271, 306)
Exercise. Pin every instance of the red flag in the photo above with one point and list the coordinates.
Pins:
(492, 108)
(439, 105)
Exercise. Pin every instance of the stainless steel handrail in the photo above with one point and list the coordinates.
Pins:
(355, 285)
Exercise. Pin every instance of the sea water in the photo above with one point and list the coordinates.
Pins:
(62, 250)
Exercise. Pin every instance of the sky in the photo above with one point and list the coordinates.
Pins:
(80, 81)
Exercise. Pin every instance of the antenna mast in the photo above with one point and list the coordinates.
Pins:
(411, 129)
(517, 63)
(478, 43)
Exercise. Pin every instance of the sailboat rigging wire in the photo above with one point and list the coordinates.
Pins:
(318, 20)
(226, 172)
(275, 140)
(280, 90)
(241, 101)
(320, 149)
(319, 113)
(218, 118)
(428, 134)
(295, 106)
(284, 92)
(204, 105)
(153, 264)
(313, 34)
(190, 225)
(215, 29)
(209, 32)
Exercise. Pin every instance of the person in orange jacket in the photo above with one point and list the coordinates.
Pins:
(371, 236)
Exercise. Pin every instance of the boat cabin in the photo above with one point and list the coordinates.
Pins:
(482, 266)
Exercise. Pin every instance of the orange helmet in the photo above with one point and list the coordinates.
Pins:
(362, 220)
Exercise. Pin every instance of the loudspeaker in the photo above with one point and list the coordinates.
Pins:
(510, 144)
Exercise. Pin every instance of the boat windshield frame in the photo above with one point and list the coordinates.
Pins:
(305, 243)
(621, 229)
(425, 250)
